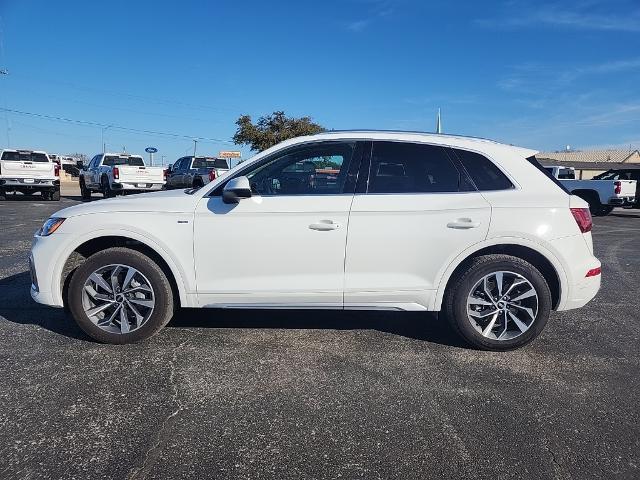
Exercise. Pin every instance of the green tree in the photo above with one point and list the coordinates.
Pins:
(272, 129)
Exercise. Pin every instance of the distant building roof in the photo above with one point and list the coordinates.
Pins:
(590, 157)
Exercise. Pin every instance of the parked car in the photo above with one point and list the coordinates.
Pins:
(419, 222)
(195, 172)
(562, 173)
(602, 195)
(117, 173)
(624, 174)
(29, 172)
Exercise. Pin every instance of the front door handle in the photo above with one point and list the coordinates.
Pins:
(324, 225)
(463, 223)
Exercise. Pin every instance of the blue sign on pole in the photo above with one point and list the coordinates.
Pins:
(151, 150)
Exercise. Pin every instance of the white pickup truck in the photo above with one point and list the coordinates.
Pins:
(602, 195)
(113, 173)
(28, 172)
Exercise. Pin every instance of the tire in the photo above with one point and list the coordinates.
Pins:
(106, 188)
(603, 211)
(461, 291)
(112, 331)
(595, 207)
(54, 196)
(3, 195)
(197, 184)
(85, 193)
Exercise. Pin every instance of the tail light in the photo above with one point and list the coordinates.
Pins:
(116, 173)
(212, 175)
(583, 219)
(618, 188)
(56, 169)
(165, 172)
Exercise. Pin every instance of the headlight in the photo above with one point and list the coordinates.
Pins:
(50, 226)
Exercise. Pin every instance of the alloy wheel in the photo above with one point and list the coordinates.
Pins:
(118, 298)
(502, 305)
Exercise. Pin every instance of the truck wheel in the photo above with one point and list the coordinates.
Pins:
(85, 193)
(198, 183)
(3, 195)
(119, 296)
(603, 210)
(54, 196)
(106, 188)
(499, 302)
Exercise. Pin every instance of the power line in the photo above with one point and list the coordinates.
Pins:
(118, 127)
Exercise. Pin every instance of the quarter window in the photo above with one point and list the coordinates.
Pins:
(482, 171)
(313, 170)
(399, 167)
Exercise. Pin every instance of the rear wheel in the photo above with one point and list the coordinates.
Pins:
(498, 303)
(54, 195)
(85, 193)
(3, 195)
(106, 188)
(120, 296)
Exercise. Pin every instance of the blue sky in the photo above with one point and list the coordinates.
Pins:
(534, 73)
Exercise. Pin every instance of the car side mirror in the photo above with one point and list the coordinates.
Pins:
(236, 189)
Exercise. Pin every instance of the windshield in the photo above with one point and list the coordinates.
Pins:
(110, 161)
(24, 157)
(209, 163)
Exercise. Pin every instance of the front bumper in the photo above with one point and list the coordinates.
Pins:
(44, 252)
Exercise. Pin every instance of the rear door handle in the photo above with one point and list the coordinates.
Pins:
(463, 223)
(324, 225)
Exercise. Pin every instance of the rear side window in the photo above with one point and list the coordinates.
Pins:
(482, 171)
(532, 160)
(24, 157)
(398, 167)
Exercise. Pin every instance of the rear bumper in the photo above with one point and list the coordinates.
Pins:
(138, 187)
(622, 201)
(582, 292)
(29, 183)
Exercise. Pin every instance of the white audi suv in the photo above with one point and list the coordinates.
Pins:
(340, 220)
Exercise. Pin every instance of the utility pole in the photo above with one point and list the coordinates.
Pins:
(3, 72)
(195, 147)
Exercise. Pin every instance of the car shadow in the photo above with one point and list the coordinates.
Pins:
(424, 326)
(625, 215)
(16, 306)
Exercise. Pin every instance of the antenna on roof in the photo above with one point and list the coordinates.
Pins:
(438, 122)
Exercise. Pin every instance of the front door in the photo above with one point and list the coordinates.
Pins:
(412, 217)
(284, 246)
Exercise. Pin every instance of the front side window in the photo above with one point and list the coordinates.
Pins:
(311, 170)
(399, 167)
(482, 171)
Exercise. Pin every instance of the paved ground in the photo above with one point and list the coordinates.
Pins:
(319, 395)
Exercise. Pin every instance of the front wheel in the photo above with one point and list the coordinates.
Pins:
(119, 296)
(498, 303)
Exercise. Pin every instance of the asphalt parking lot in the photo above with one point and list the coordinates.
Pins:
(224, 394)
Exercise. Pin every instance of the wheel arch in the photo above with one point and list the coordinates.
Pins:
(85, 247)
(541, 258)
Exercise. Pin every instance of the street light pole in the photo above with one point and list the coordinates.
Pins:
(104, 129)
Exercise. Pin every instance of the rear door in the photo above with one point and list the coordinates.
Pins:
(414, 211)
(27, 164)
